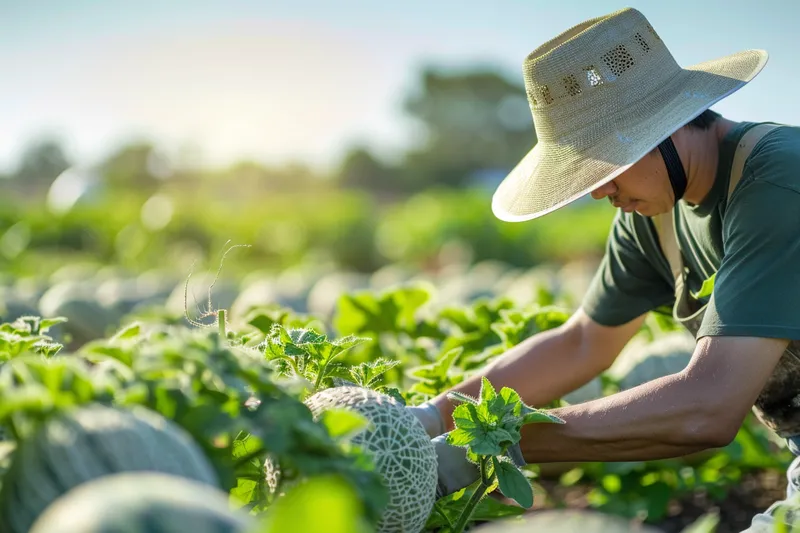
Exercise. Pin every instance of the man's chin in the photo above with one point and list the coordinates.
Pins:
(645, 210)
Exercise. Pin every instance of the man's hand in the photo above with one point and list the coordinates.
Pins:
(456, 471)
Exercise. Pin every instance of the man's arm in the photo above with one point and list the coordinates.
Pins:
(701, 407)
(549, 364)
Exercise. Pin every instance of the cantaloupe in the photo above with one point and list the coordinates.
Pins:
(143, 502)
(88, 443)
(401, 449)
(643, 361)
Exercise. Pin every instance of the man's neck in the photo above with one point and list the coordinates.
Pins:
(699, 151)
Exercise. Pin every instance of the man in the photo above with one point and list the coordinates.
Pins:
(616, 117)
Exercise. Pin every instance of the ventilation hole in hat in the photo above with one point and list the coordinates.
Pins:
(618, 60)
(539, 94)
(642, 42)
(532, 97)
(544, 94)
(649, 27)
(571, 85)
(593, 76)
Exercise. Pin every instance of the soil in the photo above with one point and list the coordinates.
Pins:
(757, 491)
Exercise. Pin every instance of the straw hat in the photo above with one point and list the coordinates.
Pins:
(603, 94)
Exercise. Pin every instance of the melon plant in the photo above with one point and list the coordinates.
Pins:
(143, 502)
(88, 443)
(400, 448)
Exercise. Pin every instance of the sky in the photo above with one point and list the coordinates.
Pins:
(301, 80)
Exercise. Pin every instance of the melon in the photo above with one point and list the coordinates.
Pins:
(143, 502)
(585, 393)
(88, 443)
(86, 318)
(402, 451)
(642, 361)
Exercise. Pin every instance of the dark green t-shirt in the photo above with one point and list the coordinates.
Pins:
(751, 241)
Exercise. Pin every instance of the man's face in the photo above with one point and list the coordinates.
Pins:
(644, 187)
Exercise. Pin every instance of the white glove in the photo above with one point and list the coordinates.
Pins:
(455, 471)
(429, 417)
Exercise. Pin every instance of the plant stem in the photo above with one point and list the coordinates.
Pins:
(320, 375)
(12, 426)
(221, 323)
(476, 497)
(441, 513)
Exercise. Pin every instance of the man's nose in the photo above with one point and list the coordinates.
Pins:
(607, 189)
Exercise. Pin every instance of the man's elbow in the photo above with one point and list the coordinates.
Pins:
(708, 429)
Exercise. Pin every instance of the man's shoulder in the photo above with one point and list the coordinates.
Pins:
(775, 160)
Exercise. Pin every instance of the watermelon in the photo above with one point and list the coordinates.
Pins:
(88, 443)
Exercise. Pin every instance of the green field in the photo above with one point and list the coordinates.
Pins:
(236, 382)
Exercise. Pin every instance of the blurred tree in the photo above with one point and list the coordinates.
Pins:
(361, 169)
(41, 163)
(474, 122)
(133, 166)
(253, 176)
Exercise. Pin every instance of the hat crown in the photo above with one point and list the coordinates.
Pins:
(594, 70)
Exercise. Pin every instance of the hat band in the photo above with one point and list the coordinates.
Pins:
(677, 176)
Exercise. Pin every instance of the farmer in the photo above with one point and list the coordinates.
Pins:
(701, 199)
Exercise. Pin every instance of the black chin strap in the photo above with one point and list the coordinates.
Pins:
(677, 176)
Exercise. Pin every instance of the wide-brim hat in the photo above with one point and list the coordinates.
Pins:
(603, 94)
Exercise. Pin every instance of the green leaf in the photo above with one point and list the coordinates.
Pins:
(244, 492)
(394, 392)
(128, 332)
(466, 421)
(369, 374)
(513, 483)
(261, 322)
(487, 509)
(48, 323)
(343, 423)
(475, 429)
(460, 397)
(706, 288)
(337, 508)
(488, 393)
(439, 368)
(531, 415)
(536, 415)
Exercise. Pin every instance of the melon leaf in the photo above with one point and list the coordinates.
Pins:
(706, 288)
(343, 423)
(513, 483)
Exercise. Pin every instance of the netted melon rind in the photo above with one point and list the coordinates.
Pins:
(403, 453)
(140, 501)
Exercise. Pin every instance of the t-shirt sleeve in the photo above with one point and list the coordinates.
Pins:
(627, 284)
(757, 287)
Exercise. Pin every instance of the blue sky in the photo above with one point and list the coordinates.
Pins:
(302, 79)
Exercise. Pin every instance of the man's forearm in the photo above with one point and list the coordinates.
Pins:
(664, 418)
(544, 367)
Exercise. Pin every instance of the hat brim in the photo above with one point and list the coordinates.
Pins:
(552, 175)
